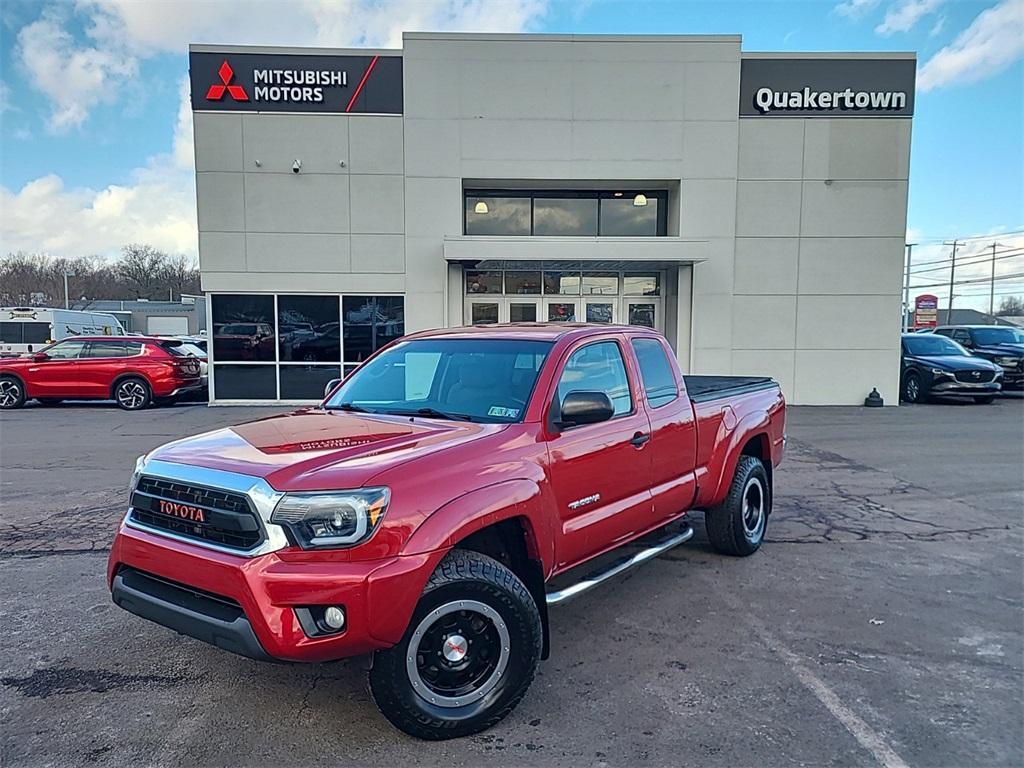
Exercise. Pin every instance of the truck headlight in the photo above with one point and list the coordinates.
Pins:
(1008, 362)
(140, 464)
(332, 519)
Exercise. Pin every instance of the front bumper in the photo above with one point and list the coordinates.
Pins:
(953, 387)
(191, 589)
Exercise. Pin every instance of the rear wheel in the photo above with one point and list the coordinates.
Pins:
(12, 393)
(737, 525)
(912, 388)
(985, 399)
(132, 393)
(468, 656)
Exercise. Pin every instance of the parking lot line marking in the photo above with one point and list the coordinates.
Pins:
(867, 736)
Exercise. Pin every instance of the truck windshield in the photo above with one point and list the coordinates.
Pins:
(986, 336)
(488, 381)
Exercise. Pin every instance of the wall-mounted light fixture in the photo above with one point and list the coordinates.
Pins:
(640, 200)
(481, 207)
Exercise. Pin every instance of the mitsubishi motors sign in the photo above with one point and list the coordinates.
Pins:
(300, 82)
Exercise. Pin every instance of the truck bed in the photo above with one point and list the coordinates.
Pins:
(704, 388)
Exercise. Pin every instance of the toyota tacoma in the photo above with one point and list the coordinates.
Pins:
(442, 497)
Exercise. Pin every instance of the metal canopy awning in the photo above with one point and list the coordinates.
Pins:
(589, 252)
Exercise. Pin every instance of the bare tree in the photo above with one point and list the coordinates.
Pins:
(140, 272)
(1011, 306)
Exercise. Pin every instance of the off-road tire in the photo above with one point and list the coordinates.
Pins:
(462, 575)
(13, 393)
(912, 393)
(984, 399)
(143, 399)
(726, 529)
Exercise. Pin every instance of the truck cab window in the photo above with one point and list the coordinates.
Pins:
(598, 368)
(659, 380)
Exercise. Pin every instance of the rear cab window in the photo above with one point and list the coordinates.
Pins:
(656, 373)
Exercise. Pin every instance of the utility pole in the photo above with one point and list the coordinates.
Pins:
(952, 274)
(992, 283)
(67, 300)
(906, 289)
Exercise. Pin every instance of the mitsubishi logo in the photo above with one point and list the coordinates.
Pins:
(227, 74)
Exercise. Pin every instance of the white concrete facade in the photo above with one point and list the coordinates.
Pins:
(783, 251)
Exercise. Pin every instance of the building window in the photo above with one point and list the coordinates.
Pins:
(622, 217)
(370, 322)
(308, 329)
(287, 347)
(478, 281)
(566, 213)
(243, 328)
(492, 215)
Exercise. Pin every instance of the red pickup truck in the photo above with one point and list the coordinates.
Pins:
(439, 500)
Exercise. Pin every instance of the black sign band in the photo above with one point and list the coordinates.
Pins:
(285, 82)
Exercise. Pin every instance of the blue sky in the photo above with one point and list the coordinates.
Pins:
(96, 145)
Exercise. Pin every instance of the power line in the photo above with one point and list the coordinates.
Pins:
(989, 236)
(1018, 275)
(970, 256)
(982, 258)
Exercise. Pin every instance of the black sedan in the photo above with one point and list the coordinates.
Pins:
(934, 365)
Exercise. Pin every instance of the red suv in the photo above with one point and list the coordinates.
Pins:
(134, 371)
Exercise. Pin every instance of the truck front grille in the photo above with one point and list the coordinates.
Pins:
(210, 515)
(975, 377)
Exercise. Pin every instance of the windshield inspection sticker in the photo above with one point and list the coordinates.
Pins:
(508, 413)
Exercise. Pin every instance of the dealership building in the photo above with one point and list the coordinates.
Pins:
(751, 206)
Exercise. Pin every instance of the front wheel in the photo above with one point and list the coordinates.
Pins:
(132, 394)
(468, 656)
(737, 525)
(12, 393)
(912, 392)
(984, 399)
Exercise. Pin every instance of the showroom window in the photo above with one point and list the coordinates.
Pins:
(287, 347)
(566, 213)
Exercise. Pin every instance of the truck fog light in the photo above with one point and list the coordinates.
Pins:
(334, 617)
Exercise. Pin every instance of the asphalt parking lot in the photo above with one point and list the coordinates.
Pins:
(881, 623)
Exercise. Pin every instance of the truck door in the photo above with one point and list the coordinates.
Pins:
(673, 428)
(57, 375)
(600, 473)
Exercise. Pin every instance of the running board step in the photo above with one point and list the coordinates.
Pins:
(616, 567)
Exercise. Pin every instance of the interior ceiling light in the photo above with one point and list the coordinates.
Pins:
(481, 207)
(640, 200)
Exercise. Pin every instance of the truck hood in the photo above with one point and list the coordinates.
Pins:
(318, 450)
(1007, 349)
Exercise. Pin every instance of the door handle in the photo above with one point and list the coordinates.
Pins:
(639, 439)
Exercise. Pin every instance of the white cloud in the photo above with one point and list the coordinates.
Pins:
(854, 9)
(904, 15)
(75, 77)
(156, 207)
(993, 41)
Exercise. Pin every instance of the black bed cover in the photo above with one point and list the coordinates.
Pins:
(704, 388)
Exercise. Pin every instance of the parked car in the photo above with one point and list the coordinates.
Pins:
(1001, 344)
(439, 500)
(133, 371)
(934, 365)
(190, 347)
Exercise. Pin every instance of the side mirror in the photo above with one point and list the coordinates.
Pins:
(39, 357)
(580, 408)
(330, 386)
